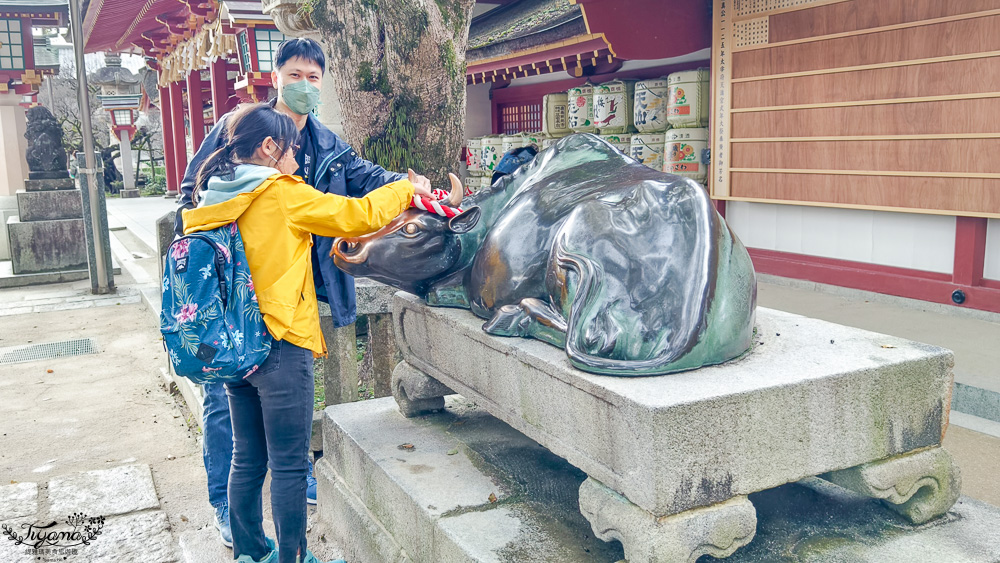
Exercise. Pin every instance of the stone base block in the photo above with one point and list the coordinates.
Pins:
(47, 174)
(430, 503)
(810, 397)
(47, 246)
(40, 185)
(454, 486)
(8, 279)
(415, 392)
(49, 205)
(129, 193)
(920, 486)
(717, 530)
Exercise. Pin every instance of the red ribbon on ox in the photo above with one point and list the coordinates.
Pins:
(434, 206)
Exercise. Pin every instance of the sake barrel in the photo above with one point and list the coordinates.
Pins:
(650, 105)
(492, 151)
(687, 103)
(471, 183)
(580, 108)
(474, 156)
(686, 153)
(647, 148)
(535, 139)
(484, 183)
(555, 114)
(621, 141)
(511, 141)
(613, 106)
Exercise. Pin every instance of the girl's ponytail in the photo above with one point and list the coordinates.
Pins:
(246, 129)
(219, 163)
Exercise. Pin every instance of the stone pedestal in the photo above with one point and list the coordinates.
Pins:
(128, 194)
(48, 235)
(47, 246)
(677, 454)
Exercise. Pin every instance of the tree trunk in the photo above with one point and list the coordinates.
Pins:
(398, 67)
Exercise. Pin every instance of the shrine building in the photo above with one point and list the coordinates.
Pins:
(847, 142)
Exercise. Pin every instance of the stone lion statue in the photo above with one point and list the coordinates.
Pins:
(45, 142)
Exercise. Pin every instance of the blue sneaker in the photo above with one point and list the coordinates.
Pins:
(310, 489)
(310, 486)
(310, 558)
(271, 557)
(222, 523)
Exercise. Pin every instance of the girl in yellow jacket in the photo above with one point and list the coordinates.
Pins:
(249, 181)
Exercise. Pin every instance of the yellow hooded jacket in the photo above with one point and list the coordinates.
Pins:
(275, 221)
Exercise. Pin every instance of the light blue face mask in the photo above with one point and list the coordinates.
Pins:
(301, 97)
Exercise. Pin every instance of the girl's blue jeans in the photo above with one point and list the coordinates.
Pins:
(271, 415)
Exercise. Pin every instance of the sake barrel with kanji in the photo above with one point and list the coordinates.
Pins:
(613, 106)
(650, 105)
(474, 156)
(492, 150)
(686, 153)
(555, 114)
(580, 108)
(687, 103)
(647, 148)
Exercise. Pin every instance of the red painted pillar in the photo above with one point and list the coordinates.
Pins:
(177, 123)
(166, 120)
(970, 250)
(196, 108)
(220, 88)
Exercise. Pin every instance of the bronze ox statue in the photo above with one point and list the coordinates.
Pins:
(630, 270)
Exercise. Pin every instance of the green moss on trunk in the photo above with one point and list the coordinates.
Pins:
(397, 146)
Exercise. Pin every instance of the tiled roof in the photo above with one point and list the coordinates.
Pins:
(522, 25)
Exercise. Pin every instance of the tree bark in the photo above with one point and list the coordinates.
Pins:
(398, 67)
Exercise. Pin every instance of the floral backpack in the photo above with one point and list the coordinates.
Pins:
(210, 320)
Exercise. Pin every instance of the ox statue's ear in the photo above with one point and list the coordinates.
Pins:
(464, 221)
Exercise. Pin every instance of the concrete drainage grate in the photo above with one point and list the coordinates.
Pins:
(49, 350)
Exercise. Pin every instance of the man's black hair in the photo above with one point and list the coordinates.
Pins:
(300, 47)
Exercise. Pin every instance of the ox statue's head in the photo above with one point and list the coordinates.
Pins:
(416, 248)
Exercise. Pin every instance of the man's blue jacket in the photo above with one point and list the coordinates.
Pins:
(340, 171)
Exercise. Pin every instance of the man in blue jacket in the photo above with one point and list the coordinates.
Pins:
(328, 164)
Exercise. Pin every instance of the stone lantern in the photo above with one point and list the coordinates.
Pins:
(120, 96)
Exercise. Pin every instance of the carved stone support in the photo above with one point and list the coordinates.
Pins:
(717, 530)
(920, 486)
(415, 392)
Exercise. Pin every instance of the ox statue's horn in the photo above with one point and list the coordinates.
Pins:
(457, 191)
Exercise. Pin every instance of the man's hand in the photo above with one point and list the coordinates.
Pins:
(421, 183)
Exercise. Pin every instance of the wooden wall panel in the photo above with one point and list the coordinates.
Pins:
(935, 118)
(941, 156)
(933, 79)
(827, 107)
(866, 14)
(945, 195)
(937, 40)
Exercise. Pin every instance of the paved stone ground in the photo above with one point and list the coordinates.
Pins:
(100, 434)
